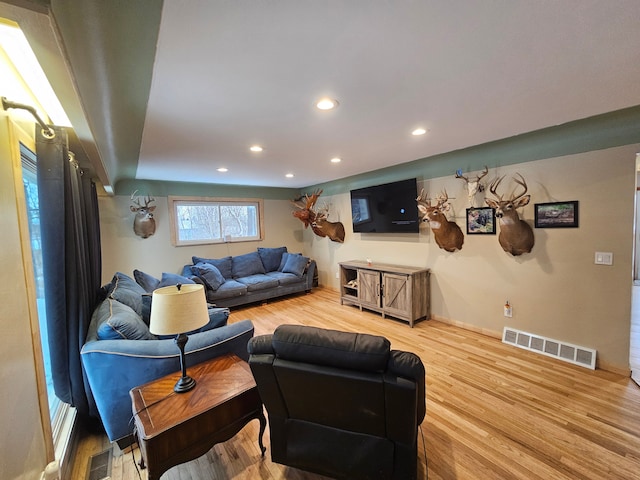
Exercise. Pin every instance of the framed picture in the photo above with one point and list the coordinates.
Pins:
(481, 220)
(557, 215)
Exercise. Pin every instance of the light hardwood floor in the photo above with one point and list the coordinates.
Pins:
(493, 411)
(634, 348)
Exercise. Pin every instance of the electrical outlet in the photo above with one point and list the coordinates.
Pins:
(337, 274)
(508, 310)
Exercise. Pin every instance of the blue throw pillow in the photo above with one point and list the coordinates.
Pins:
(247, 264)
(169, 279)
(295, 264)
(209, 274)
(121, 323)
(223, 264)
(146, 308)
(285, 257)
(127, 291)
(271, 257)
(146, 281)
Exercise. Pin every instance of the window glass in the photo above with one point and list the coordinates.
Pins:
(29, 181)
(200, 220)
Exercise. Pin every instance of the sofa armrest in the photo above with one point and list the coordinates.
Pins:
(311, 269)
(113, 367)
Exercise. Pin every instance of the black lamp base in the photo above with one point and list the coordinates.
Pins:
(184, 384)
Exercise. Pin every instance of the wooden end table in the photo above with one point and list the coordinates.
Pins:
(174, 428)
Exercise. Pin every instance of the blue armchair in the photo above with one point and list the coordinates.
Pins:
(120, 353)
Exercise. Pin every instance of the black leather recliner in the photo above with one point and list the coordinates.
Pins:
(340, 404)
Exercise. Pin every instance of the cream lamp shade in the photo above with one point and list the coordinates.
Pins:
(178, 309)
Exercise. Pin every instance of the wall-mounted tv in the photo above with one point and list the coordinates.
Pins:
(387, 208)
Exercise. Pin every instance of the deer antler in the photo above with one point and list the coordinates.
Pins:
(423, 199)
(442, 198)
(311, 201)
(459, 175)
(522, 183)
(137, 200)
(494, 186)
(478, 177)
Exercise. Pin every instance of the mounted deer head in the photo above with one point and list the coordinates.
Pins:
(318, 220)
(144, 225)
(305, 209)
(324, 228)
(473, 186)
(516, 235)
(448, 235)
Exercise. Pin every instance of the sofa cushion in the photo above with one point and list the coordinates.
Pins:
(146, 281)
(209, 274)
(169, 279)
(223, 264)
(119, 322)
(356, 351)
(285, 278)
(228, 289)
(246, 265)
(126, 290)
(271, 257)
(258, 282)
(295, 264)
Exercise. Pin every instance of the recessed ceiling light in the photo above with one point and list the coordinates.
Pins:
(222, 169)
(326, 103)
(336, 160)
(419, 131)
(289, 175)
(256, 148)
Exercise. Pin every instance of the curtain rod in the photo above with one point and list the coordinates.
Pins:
(47, 131)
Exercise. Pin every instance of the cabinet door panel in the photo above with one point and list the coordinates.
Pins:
(369, 288)
(397, 294)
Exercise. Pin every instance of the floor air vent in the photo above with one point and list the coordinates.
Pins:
(100, 465)
(585, 357)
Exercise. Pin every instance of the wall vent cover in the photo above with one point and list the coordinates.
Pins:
(585, 357)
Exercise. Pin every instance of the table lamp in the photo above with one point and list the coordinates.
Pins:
(174, 311)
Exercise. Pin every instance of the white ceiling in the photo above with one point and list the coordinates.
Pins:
(229, 74)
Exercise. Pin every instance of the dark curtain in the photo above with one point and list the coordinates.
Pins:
(70, 229)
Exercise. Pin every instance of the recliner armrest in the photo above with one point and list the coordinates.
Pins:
(408, 365)
(260, 345)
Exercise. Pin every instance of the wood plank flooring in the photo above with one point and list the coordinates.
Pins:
(634, 349)
(493, 411)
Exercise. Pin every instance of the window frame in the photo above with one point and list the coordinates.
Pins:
(175, 201)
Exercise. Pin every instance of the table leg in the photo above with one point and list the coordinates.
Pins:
(137, 440)
(263, 426)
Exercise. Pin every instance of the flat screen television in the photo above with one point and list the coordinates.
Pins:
(386, 208)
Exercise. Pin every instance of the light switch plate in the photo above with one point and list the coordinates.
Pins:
(604, 258)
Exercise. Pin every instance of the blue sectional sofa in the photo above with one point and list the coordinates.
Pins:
(252, 277)
(120, 353)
